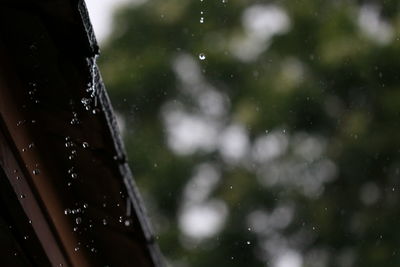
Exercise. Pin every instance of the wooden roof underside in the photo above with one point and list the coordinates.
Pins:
(60, 151)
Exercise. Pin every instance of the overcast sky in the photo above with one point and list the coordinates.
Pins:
(101, 12)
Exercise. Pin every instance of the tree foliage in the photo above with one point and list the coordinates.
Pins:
(286, 134)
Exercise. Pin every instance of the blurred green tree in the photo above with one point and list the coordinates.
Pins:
(263, 133)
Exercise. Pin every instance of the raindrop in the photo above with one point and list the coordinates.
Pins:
(248, 243)
(85, 205)
(74, 175)
(74, 121)
(85, 145)
(127, 222)
(202, 56)
(22, 196)
(67, 211)
(36, 172)
(69, 144)
(19, 123)
(76, 248)
(104, 222)
(78, 220)
(202, 20)
(86, 101)
(26, 237)
(75, 211)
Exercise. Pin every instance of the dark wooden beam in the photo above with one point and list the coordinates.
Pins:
(59, 137)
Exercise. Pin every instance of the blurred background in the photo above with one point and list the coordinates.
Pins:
(260, 133)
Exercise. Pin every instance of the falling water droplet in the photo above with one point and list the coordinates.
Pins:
(69, 144)
(78, 220)
(85, 145)
(202, 20)
(36, 172)
(74, 121)
(202, 56)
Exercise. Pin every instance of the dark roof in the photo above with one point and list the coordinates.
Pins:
(68, 196)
